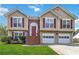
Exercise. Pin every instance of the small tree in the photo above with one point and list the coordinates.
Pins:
(22, 38)
(3, 30)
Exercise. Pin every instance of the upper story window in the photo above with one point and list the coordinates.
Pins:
(17, 21)
(66, 23)
(49, 22)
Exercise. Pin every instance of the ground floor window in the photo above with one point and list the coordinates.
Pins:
(17, 34)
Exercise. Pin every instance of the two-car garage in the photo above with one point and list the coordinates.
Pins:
(51, 38)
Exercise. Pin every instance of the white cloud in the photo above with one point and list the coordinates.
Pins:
(3, 11)
(35, 8)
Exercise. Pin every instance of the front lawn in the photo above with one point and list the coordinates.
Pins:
(18, 49)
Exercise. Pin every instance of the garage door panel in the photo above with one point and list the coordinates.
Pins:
(48, 34)
(48, 41)
(64, 38)
(48, 38)
(64, 41)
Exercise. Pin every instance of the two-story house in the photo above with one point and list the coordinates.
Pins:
(55, 26)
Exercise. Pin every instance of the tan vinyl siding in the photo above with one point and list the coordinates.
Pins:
(18, 14)
(63, 15)
(49, 14)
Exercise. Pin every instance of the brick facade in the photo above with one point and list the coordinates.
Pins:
(33, 39)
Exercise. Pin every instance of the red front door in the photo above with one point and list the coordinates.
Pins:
(33, 30)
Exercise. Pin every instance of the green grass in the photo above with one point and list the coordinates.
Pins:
(18, 49)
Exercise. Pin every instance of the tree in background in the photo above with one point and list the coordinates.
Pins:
(3, 30)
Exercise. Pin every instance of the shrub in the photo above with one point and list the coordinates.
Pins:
(15, 40)
(4, 38)
(9, 39)
(22, 38)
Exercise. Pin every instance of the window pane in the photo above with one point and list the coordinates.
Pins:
(19, 20)
(64, 23)
(16, 37)
(47, 36)
(50, 20)
(64, 26)
(19, 25)
(52, 36)
(15, 20)
(46, 20)
(16, 34)
(15, 24)
(51, 25)
(43, 36)
(47, 25)
(67, 37)
(68, 24)
(20, 34)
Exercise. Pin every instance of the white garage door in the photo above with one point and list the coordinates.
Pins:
(48, 38)
(64, 38)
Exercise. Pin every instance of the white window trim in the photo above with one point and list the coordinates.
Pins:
(66, 23)
(49, 22)
(17, 21)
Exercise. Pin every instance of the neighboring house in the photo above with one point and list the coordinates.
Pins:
(55, 26)
(76, 38)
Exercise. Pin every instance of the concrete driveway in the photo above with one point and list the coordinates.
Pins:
(66, 49)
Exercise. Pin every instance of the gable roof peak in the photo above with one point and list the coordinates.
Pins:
(66, 10)
(14, 10)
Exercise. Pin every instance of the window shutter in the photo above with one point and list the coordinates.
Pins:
(54, 23)
(61, 23)
(43, 22)
(71, 23)
(23, 22)
(11, 22)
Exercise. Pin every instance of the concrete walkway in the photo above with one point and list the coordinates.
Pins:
(66, 49)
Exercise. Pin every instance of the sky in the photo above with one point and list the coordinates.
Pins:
(36, 10)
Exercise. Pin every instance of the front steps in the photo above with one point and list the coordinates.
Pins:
(33, 40)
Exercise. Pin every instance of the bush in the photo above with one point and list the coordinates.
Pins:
(4, 38)
(22, 38)
(9, 39)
